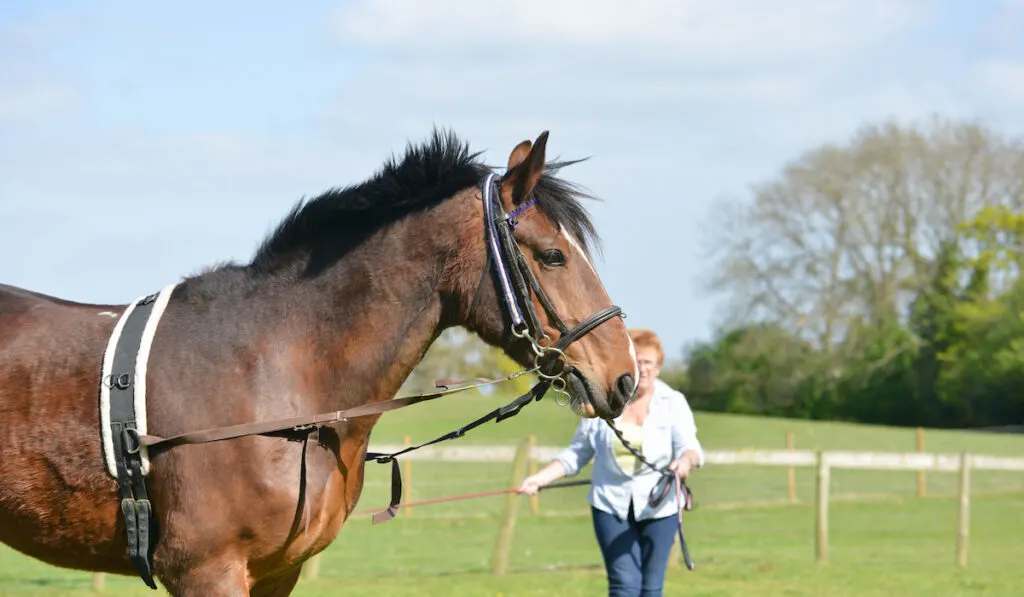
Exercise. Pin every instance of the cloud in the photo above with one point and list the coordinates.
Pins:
(688, 31)
(1004, 79)
(28, 100)
(578, 64)
(33, 89)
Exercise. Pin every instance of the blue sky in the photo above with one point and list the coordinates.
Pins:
(140, 142)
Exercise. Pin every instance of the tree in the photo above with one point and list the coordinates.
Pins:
(758, 369)
(895, 259)
(851, 233)
(982, 355)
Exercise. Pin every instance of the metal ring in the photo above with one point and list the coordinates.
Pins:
(130, 441)
(561, 358)
(523, 333)
(559, 402)
(122, 381)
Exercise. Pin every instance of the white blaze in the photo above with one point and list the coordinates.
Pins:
(636, 364)
(575, 244)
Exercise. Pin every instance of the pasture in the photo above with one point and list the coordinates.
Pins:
(744, 535)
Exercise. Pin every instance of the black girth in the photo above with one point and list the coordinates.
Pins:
(131, 484)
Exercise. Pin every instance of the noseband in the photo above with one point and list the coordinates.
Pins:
(515, 283)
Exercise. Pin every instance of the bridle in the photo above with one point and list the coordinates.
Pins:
(516, 281)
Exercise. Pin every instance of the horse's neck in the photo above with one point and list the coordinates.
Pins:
(377, 312)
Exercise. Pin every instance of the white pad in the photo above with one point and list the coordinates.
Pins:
(141, 364)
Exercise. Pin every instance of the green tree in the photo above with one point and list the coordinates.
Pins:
(982, 358)
(759, 369)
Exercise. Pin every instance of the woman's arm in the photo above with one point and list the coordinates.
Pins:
(552, 472)
(684, 432)
(568, 463)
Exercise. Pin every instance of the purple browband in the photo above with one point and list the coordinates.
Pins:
(512, 215)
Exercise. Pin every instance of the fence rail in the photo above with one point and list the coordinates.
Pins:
(836, 459)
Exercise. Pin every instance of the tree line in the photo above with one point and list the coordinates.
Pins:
(877, 281)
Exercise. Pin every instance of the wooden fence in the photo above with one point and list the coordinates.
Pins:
(524, 457)
(823, 461)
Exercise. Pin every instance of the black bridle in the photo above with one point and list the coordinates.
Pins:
(516, 281)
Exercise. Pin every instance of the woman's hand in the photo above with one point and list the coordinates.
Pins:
(682, 466)
(531, 485)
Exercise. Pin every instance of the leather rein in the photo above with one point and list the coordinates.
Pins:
(516, 281)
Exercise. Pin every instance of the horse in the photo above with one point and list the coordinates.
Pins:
(335, 308)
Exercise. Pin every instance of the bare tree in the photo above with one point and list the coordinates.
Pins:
(849, 233)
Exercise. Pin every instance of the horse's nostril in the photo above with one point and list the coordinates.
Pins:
(625, 385)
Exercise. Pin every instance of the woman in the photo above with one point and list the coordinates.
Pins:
(635, 535)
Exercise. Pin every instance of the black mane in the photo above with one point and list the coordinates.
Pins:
(426, 175)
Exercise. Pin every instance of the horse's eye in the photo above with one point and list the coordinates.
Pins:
(552, 258)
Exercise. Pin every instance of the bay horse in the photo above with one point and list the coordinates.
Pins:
(333, 311)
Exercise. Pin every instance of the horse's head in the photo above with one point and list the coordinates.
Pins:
(540, 298)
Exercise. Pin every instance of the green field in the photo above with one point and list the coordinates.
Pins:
(745, 538)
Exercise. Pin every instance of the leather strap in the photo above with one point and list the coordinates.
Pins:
(300, 423)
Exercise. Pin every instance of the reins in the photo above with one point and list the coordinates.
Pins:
(478, 494)
(684, 497)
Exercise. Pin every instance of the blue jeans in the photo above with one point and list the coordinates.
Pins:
(635, 552)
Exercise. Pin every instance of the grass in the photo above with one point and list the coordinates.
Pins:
(744, 537)
(894, 547)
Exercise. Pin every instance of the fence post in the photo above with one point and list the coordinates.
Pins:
(963, 526)
(407, 483)
(503, 547)
(920, 474)
(311, 568)
(99, 582)
(821, 509)
(791, 474)
(535, 498)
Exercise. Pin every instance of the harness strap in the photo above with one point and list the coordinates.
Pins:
(499, 414)
(301, 423)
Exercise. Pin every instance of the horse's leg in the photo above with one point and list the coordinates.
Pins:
(216, 578)
(280, 586)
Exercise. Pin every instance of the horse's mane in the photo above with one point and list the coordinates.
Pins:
(427, 174)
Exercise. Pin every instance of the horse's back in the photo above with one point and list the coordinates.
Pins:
(23, 310)
(51, 353)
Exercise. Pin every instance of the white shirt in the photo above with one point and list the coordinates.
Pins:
(668, 432)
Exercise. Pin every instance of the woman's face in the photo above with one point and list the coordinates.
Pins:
(647, 360)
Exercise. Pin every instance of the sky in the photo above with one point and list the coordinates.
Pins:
(141, 142)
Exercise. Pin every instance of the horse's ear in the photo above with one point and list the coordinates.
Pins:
(519, 154)
(525, 165)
